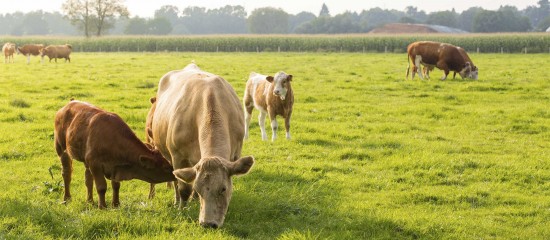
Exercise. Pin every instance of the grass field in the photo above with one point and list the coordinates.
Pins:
(372, 156)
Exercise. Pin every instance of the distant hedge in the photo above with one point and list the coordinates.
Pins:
(485, 43)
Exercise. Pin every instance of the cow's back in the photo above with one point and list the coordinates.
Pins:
(191, 106)
(430, 51)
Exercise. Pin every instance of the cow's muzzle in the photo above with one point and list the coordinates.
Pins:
(209, 225)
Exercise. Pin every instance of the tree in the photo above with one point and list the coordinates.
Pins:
(324, 11)
(136, 26)
(466, 18)
(104, 10)
(506, 19)
(159, 26)
(34, 24)
(444, 18)
(94, 15)
(168, 12)
(295, 21)
(79, 12)
(268, 20)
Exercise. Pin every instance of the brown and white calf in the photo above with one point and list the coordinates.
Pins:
(57, 51)
(272, 96)
(30, 49)
(8, 49)
(107, 147)
(199, 126)
(441, 55)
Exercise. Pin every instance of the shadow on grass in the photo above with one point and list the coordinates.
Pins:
(269, 205)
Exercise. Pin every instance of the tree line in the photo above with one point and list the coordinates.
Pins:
(101, 17)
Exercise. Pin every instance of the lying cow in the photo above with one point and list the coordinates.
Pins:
(8, 49)
(270, 95)
(198, 125)
(441, 55)
(108, 148)
(30, 49)
(57, 51)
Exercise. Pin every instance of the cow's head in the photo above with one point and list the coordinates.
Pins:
(155, 167)
(282, 84)
(211, 179)
(469, 71)
(18, 50)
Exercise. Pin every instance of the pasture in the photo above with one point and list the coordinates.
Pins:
(372, 156)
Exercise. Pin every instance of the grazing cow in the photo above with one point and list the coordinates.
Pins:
(57, 51)
(427, 68)
(108, 148)
(441, 55)
(30, 49)
(270, 95)
(198, 125)
(8, 49)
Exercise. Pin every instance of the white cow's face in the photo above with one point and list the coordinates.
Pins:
(211, 179)
(282, 84)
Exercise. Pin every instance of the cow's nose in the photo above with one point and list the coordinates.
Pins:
(276, 92)
(209, 225)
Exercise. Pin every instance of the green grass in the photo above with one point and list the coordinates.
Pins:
(372, 155)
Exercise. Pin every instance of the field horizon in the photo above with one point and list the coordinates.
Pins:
(372, 155)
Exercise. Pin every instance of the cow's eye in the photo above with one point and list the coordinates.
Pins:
(222, 191)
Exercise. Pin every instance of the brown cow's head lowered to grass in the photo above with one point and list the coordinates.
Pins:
(211, 179)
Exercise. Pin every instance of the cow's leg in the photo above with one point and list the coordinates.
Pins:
(274, 125)
(261, 120)
(248, 107)
(28, 58)
(287, 126)
(454, 74)
(67, 164)
(417, 64)
(100, 184)
(442, 65)
(89, 185)
(152, 191)
(116, 191)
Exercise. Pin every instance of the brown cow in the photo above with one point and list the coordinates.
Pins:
(427, 68)
(30, 49)
(57, 51)
(441, 55)
(108, 148)
(270, 95)
(198, 124)
(8, 49)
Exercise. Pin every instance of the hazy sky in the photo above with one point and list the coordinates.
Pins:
(146, 8)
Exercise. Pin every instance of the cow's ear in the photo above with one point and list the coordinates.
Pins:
(242, 166)
(146, 161)
(269, 79)
(153, 100)
(185, 174)
(289, 78)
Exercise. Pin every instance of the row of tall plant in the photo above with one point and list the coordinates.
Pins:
(484, 43)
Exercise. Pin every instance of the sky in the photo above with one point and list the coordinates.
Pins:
(146, 8)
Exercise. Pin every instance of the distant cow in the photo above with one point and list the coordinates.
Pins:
(441, 55)
(270, 95)
(57, 51)
(8, 49)
(198, 124)
(427, 68)
(108, 148)
(30, 49)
